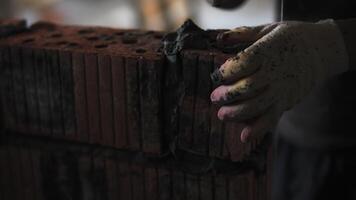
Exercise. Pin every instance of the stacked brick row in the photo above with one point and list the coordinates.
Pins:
(100, 113)
(31, 170)
(84, 85)
(107, 86)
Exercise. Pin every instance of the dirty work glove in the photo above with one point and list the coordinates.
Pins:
(285, 62)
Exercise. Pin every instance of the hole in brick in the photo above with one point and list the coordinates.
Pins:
(106, 37)
(140, 50)
(119, 33)
(56, 35)
(92, 38)
(149, 32)
(101, 46)
(29, 40)
(158, 36)
(85, 31)
(129, 39)
(62, 43)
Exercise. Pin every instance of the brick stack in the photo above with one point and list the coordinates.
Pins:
(110, 89)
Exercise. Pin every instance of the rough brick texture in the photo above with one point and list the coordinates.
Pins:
(34, 170)
(109, 87)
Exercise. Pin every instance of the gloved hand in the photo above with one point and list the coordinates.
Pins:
(286, 61)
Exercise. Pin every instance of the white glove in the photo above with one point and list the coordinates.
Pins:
(287, 60)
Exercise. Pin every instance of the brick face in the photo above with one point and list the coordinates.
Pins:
(113, 91)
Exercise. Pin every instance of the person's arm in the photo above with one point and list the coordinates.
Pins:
(348, 30)
(286, 61)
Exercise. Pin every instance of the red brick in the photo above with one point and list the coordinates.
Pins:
(137, 177)
(125, 181)
(66, 74)
(111, 177)
(217, 126)
(19, 87)
(37, 173)
(240, 186)
(85, 172)
(41, 82)
(15, 179)
(202, 123)
(189, 68)
(119, 101)
(4, 173)
(99, 177)
(9, 107)
(55, 92)
(192, 186)
(164, 184)
(92, 91)
(206, 187)
(81, 112)
(151, 183)
(106, 101)
(28, 189)
(150, 76)
(178, 185)
(133, 104)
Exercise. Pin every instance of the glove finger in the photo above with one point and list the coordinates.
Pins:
(260, 126)
(243, 89)
(245, 34)
(248, 109)
(235, 68)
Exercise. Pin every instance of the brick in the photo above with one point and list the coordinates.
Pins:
(125, 181)
(232, 141)
(85, 166)
(202, 123)
(138, 184)
(221, 188)
(239, 187)
(55, 92)
(189, 71)
(206, 187)
(178, 185)
(192, 185)
(151, 183)
(119, 101)
(106, 101)
(66, 74)
(60, 169)
(15, 179)
(9, 108)
(133, 104)
(28, 189)
(92, 91)
(114, 88)
(4, 173)
(81, 112)
(19, 87)
(111, 177)
(150, 76)
(42, 98)
(99, 177)
(164, 184)
(217, 126)
(37, 173)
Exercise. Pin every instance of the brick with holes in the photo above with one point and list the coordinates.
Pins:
(114, 88)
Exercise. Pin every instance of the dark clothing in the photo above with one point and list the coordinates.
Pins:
(302, 173)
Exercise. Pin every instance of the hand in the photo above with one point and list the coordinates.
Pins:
(283, 65)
